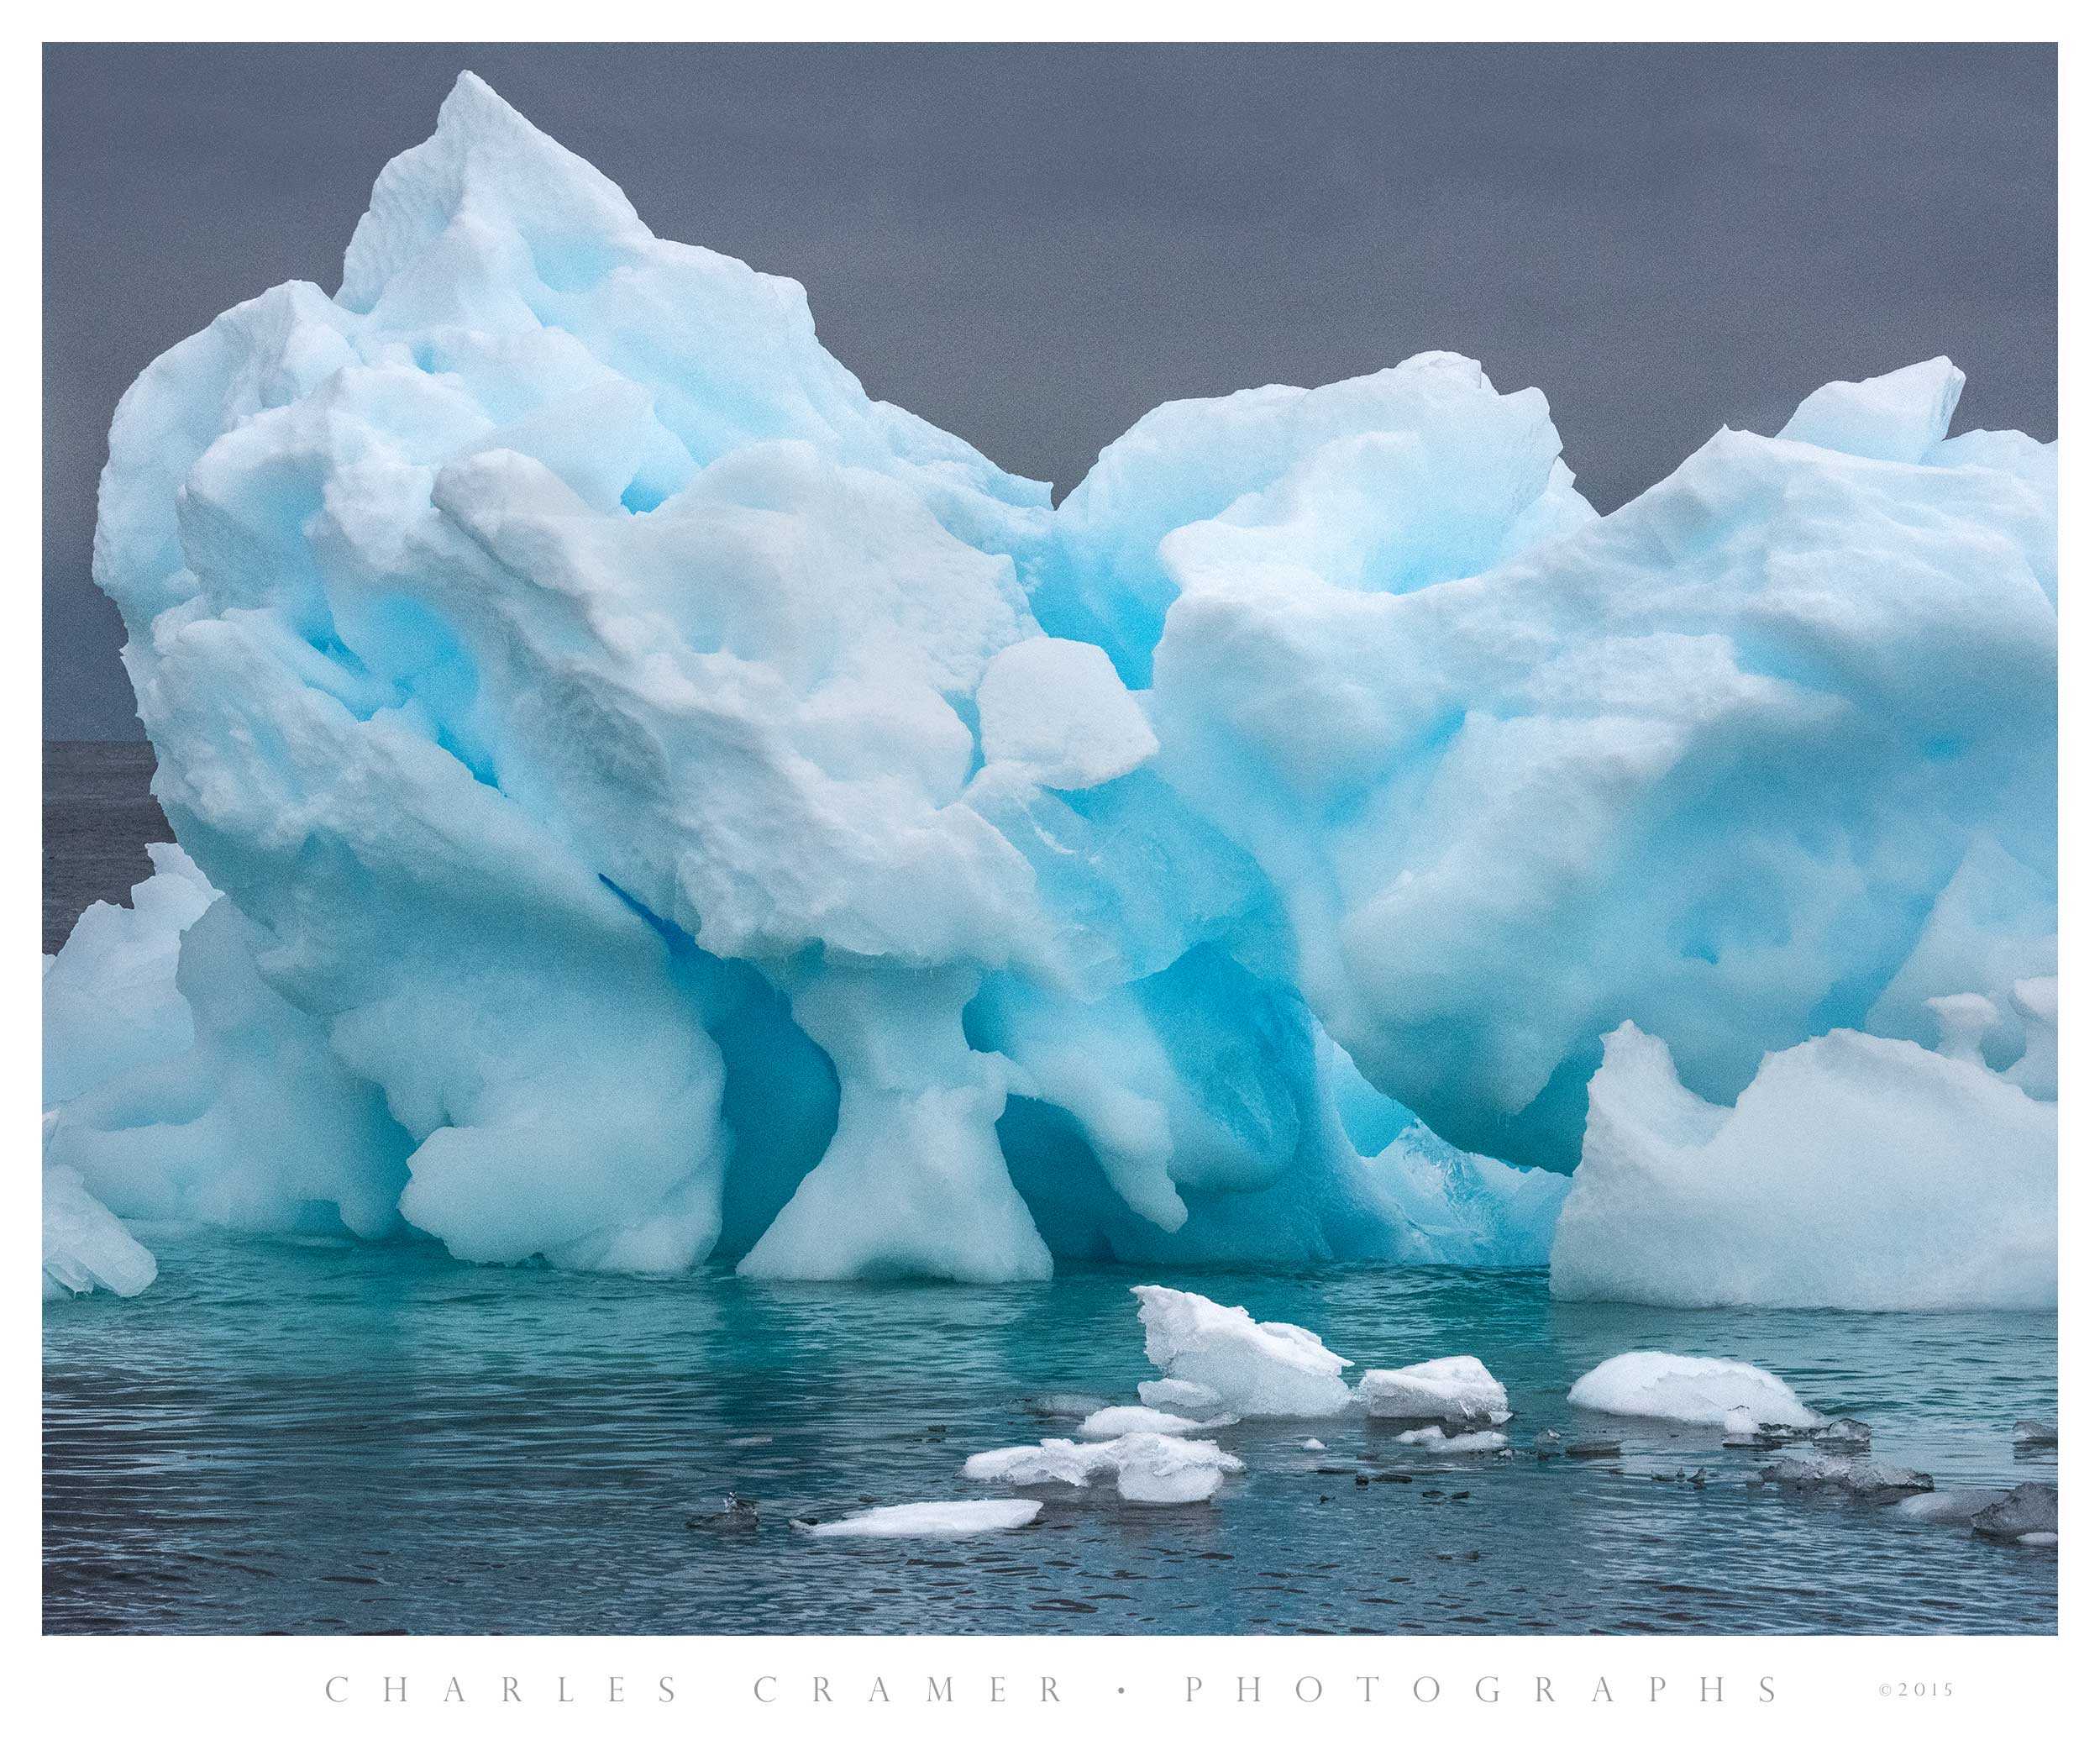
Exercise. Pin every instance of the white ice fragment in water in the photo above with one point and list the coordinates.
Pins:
(1434, 1436)
(1688, 1390)
(928, 1521)
(1454, 1390)
(1148, 1467)
(1312, 1445)
(1258, 1370)
(1946, 1507)
(1114, 1421)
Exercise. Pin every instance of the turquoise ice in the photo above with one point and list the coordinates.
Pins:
(650, 801)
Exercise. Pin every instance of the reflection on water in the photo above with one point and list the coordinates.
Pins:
(334, 1438)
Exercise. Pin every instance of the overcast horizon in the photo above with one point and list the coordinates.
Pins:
(1033, 246)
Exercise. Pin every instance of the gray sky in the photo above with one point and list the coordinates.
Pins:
(1033, 246)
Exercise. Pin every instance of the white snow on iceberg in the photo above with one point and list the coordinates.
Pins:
(653, 802)
(1688, 1390)
(84, 1247)
(1856, 1172)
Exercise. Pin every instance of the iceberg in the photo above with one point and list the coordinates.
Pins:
(1691, 1390)
(644, 801)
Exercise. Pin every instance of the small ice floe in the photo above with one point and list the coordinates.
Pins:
(1592, 1447)
(1437, 1440)
(1845, 1475)
(2034, 1433)
(927, 1520)
(1688, 1390)
(1842, 1433)
(2023, 1512)
(749, 1442)
(1546, 1445)
(1946, 1507)
(1114, 1421)
(1449, 1389)
(1169, 1394)
(1312, 1445)
(1257, 1368)
(1147, 1468)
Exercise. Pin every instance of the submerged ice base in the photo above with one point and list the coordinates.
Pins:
(650, 801)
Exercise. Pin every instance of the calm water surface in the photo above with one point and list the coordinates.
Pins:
(325, 1438)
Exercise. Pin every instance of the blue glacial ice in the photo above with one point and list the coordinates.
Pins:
(644, 800)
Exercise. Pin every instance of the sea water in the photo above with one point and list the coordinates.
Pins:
(332, 1436)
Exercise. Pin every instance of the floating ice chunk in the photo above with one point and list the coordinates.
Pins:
(1842, 1433)
(1056, 1460)
(1114, 1421)
(1312, 1445)
(2034, 1433)
(928, 1521)
(1258, 1370)
(1056, 710)
(1900, 416)
(1457, 1390)
(1944, 1507)
(2025, 1509)
(1852, 1475)
(1845, 1176)
(1169, 1394)
(1688, 1390)
(84, 1247)
(1169, 1470)
(1437, 1438)
(1148, 1467)
(1739, 1427)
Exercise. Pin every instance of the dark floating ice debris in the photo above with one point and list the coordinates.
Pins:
(1838, 1475)
(736, 1515)
(2034, 1433)
(2027, 1515)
